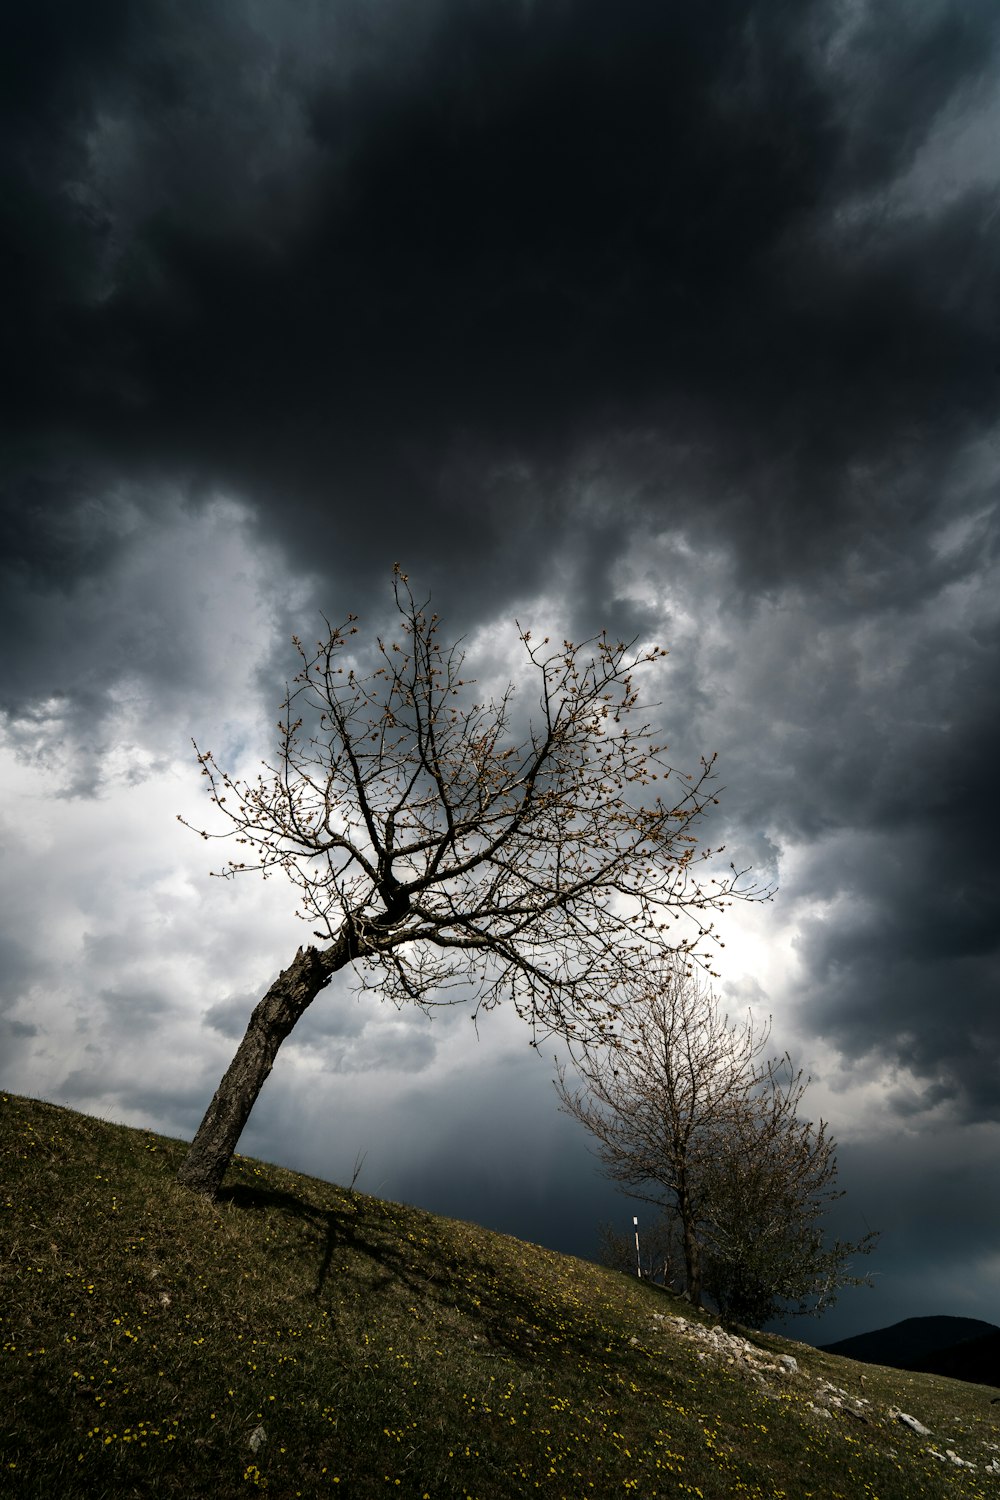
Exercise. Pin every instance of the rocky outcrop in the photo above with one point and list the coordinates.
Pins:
(730, 1348)
(826, 1401)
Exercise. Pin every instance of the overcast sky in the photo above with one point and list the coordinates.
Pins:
(677, 320)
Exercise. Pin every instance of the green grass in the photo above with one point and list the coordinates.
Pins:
(151, 1340)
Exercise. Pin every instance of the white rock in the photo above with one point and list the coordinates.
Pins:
(911, 1422)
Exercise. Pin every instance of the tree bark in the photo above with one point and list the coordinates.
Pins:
(289, 997)
(692, 1249)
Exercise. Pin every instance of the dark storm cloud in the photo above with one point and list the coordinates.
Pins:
(915, 1190)
(892, 746)
(897, 907)
(908, 965)
(457, 263)
(180, 1104)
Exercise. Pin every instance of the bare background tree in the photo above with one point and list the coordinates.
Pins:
(689, 1118)
(657, 1260)
(768, 1186)
(434, 848)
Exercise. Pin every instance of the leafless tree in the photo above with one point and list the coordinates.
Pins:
(690, 1118)
(769, 1184)
(446, 856)
(657, 1256)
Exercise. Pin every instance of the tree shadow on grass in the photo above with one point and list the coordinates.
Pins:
(334, 1225)
(526, 1327)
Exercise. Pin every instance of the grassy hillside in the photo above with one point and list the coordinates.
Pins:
(305, 1340)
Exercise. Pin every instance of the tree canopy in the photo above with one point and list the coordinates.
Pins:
(450, 849)
(690, 1117)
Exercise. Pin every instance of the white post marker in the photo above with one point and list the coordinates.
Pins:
(638, 1262)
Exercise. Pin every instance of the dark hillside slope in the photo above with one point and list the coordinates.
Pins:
(302, 1339)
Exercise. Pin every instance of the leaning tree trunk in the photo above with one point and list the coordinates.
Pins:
(290, 995)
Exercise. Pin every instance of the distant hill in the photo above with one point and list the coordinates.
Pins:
(964, 1348)
(973, 1359)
